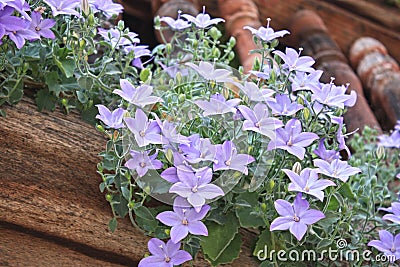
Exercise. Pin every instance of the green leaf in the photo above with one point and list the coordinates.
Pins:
(53, 83)
(126, 193)
(89, 115)
(112, 224)
(3, 113)
(102, 186)
(67, 66)
(346, 191)
(324, 243)
(230, 253)
(246, 215)
(82, 97)
(263, 241)
(45, 100)
(219, 237)
(85, 83)
(144, 213)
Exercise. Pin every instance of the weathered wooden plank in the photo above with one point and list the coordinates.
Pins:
(344, 26)
(49, 185)
(24, 249)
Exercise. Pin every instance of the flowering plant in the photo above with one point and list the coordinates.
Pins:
(70, 51)
(227, 150)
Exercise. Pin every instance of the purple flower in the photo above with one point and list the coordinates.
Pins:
(19, 36)
(207, 71)
(199, 149)
(138, 50)
(398, 176)
(395, 209)
(146, 132)
(173, 70)
(107, 6)
(265, 73)
(337, 169)
(292, 139)
(308, 182)
(227, 158)
(184, 220)
(294, 62)
(283, 105)
(21, 6)
(178, 24)
(196, 187)
(139, 96)
(111, 119)
(67, 7)
(392, 140)
(295, 217)
(142, 162)
(42, 26)
(387, 244)
(180, 165)
(217, 105)
(254, 93)
(164, 255)
(170, 133)
(334, 96)
(397, 126)
(10, 23)
(304, 81)
(327, 155)
(259, 121)
(266, 34)
(202, 20)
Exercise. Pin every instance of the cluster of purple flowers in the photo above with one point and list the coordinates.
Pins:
(20, 26)
(269, 113)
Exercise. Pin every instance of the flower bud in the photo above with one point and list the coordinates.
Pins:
(64, 102)
(147, 190)
(232, 41)
(109, 197)
(145, 74)
(263, 207)
(297, 167)
(215, 33)
(131, 205)
(168, 48)
(90, 20)
(85, 7)
(216, 53)
(300, 101)
(168, 155)
(167, 231)
(225, 92)
(271, 184)
(157, 21)
(181, 98)
(231, 56)
(82, 44)
(256, 64)
(100, 128)
(249, 150)
(380, 152)
(306, 113)
(178, 77)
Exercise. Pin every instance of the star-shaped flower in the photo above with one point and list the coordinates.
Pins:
(258, 120)
(217, 105)
(266, 33)
(337, 169)
(207, 71)
(254, 93)
(196, 187)
(164, 255)
(392, 140)
(308, 182)
(283, 105)
(178, 24)
(111, 119)
(202, 20)
(199, 149)
(184, 220)
(146, 132)
(388, 244)
(66, 7)
(295, 62)
(323, 153)
(139, 96)
(42, 26)
(142, 162)
(304, 81)
(334, 96)
(292, 139)
(108, 7)
(227, 158)
(295, 217)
